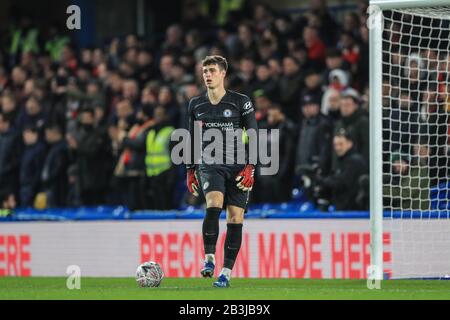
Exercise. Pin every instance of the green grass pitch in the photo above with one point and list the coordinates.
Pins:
(197, 288)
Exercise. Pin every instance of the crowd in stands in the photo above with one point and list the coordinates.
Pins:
(80, 126)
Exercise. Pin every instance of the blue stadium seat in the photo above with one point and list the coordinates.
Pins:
(440, 196)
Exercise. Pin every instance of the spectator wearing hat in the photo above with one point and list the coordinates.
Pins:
(344, 181)
(314, 144)
(312, 87)
(354, 121)
(31, 164)
(338, 79)
(330, 105)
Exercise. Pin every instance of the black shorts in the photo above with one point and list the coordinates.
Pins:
(223, 178)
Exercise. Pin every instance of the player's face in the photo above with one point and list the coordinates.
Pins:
(213, 76)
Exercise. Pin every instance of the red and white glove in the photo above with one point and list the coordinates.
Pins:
(192, 183)
(245, 178)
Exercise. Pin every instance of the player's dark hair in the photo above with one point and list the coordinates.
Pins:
(219, 60)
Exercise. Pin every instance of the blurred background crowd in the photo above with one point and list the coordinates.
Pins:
(84, 125)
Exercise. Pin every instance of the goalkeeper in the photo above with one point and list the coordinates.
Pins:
(226, 184)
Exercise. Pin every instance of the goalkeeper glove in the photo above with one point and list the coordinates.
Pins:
(245, 178)
(192, 183)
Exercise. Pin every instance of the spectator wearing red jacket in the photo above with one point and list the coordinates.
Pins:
(316, 47)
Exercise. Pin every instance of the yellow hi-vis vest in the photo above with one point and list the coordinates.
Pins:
(226, 6)
(28, 43)
(55, 47)
(158, 159)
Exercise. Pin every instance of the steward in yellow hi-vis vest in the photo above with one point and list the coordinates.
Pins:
(161, 173)
(225, 7)
(158, 159)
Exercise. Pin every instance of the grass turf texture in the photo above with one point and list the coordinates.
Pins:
(198, 288)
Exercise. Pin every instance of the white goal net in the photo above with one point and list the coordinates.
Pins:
(416, 143)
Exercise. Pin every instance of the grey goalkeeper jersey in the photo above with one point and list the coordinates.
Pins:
(233, 114)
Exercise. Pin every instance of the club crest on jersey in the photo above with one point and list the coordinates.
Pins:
(227, 113)
(205, 185)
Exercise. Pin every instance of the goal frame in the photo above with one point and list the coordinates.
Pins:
(376, 127)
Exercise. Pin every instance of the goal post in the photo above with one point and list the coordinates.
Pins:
(376, 161)
(407, 4)
(409, 137)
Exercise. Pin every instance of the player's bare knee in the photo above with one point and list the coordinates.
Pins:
(237, 219)
(235, 215)
(214, 199)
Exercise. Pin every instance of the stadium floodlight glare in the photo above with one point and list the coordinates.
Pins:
(409, 145)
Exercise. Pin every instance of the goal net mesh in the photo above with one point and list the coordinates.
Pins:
(416, 110)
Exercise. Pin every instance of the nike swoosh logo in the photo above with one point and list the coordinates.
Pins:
(200, 114)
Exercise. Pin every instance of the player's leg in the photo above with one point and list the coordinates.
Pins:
(236, 204)
(213, 186)
(210, 230)
(233, 240)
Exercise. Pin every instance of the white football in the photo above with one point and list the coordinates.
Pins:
(149, 274)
